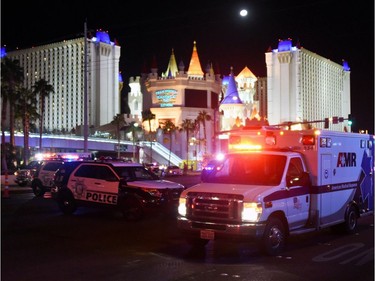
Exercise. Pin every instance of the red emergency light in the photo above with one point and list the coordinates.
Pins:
(308, 140)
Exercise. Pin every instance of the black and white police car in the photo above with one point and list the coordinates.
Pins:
(127, 187)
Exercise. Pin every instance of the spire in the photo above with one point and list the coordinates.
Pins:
(144, 68)
(181, 66)
(172, 67)
(195, 68)
(231, 94)
(154, 65)
(212, 72)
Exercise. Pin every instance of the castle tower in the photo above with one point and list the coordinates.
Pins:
(231, 106)
(179, 95)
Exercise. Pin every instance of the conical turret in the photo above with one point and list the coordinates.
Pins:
(195, 69)
(231, 94)
(172, 67)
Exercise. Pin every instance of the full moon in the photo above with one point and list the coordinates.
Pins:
(243, 13)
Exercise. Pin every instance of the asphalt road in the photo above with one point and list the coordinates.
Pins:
(39, 243)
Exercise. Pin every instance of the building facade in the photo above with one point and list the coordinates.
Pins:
(175, 96)
(63, 65)
(303, 86)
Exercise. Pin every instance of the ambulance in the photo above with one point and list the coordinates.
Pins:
(273, 183)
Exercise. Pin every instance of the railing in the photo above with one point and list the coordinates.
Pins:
(169, 156)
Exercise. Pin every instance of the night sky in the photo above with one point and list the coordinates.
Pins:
(335, 29)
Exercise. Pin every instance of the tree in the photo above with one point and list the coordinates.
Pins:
(203, 116)
(187, 126)
(42, 89)
(11, 80)
(26, 110)
(119, 122)
(147, 115)
(168, 128)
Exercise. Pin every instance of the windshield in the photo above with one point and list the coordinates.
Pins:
(135, 173)
(251, 169)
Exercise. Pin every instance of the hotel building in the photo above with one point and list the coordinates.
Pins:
(62, 65)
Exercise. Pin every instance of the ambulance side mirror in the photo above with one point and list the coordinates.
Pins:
(302, 180)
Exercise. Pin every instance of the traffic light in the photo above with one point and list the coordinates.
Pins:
(326, 123)
(350, 120)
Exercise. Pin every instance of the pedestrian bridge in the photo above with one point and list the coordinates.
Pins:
(60, 143)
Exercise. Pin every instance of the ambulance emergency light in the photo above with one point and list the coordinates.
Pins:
(240, 143)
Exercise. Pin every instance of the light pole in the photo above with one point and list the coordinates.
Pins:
(135, 125)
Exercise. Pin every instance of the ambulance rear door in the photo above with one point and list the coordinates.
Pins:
(324, 194)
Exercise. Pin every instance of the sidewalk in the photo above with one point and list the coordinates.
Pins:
(10, 180)
(12, 186)
(194, 173)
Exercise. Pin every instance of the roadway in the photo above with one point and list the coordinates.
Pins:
(39, 243)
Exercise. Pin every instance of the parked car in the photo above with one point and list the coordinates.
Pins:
(173, 171)
(153, 167)
(25, 175)
(44, 176)
(127, 187)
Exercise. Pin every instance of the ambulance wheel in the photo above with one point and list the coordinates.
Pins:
(38, 189)
(274, 237)
(350, 224)
(351, 220)
(132, 209)
(67, 203)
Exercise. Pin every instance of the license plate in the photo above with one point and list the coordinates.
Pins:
(207, 234)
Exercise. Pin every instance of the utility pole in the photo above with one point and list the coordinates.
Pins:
(85, 103)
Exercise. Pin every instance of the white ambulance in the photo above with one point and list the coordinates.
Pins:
(273, 183)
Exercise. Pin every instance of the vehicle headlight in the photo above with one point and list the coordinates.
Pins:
(251, 211)
(182, 206)
(153, 192)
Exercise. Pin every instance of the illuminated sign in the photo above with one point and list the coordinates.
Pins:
(166, 97)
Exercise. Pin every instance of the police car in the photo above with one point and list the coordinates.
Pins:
(48, 164)
(44, 175)
(127, 187)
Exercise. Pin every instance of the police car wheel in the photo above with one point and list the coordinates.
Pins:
(38, 189)
(274, 237)
(132, 209)
(67, 204)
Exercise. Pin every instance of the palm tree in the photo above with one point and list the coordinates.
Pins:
(147, 115)
(11, 80)
(197, 129)
(203, 116)
(119, 122)
(42, 89)
(169, 128)
(187, 126)
(26, 110)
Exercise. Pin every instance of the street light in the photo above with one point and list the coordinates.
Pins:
(135, 125)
